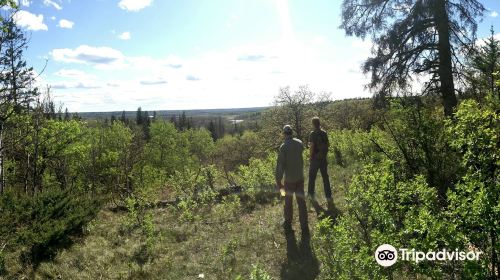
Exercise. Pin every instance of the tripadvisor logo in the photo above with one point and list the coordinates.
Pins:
(386, 255)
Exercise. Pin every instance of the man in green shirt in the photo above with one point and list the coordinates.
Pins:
(318, 147)
(290, 165)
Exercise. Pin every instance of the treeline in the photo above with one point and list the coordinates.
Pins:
(418, 177)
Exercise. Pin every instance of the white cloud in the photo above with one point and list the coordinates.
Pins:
(64, 23)
(25, 3)
(74, 74)
(88, 55)
(74, 85)
(493, 14)
(212, 79)
(192, 78)
(53, 18)
(125, 36)
(134, 5)
(52, 3)
(152, 82)
(75, 79)
(30, 21)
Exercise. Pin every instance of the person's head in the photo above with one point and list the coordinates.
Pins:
(316, 123)
(287, 130)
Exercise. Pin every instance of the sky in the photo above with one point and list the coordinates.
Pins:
(113, 55)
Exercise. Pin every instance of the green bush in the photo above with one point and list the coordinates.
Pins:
(381, 210)
(39, 226)
(350, 147)
(475, 201)
(257, 178)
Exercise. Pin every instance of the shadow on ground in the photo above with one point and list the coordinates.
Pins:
(301, 263)
(332, 211)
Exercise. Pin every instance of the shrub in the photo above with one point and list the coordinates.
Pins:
(475, 202)
(39, 226)
(257, 178)
(381, 210)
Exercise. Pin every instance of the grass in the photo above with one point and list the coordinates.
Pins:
(223, 243)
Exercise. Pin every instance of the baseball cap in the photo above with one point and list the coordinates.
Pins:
(287, 129)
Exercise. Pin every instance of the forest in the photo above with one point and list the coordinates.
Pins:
(152, 196)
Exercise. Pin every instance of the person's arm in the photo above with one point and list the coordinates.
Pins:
(311, 146)
(280, 168)
(311, 150)
(327, 142)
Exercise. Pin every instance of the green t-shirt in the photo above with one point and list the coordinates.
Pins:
(319, 139)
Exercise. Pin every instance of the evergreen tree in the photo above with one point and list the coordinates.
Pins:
(413, 37)
(146, 124)
(139, 118)
(123, 118)
(67, 116)
(113, 119)
(173, 120)
(16, 78)
(213, 130)
(59, 114)
(483, 67)
(220, 128)
(182, 121)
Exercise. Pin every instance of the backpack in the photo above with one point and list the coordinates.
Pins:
(321, 145)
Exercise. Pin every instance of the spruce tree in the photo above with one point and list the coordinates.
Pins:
(67, 116)
(139, 118)
(123, 118)
(483, 67)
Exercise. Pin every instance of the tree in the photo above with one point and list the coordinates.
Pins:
(67, 116)
(475, 201)
(291, 108)
(173, 120)
(183, 122)
(146, 122)
(212, 130)
(411, 38)
(16, 79)
(482, 67)
(139, 118)
(123, 118)
(221, 130)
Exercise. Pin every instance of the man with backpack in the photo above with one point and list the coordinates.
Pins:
(318, 147)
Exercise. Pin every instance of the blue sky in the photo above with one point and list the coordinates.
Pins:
(112, 55)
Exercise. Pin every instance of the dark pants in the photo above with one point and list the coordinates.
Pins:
(298, 190)
(322, 165)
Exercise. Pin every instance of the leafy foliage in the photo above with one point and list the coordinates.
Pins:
(42, 224)
(381, 210)
(475, 202)
(257, 178)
